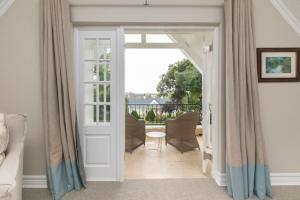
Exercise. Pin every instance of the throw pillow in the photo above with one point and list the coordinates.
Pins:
(4, 135)
(2, 157)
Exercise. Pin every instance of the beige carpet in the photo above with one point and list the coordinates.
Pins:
(175, 189)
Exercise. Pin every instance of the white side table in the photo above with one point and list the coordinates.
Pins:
(159, 136)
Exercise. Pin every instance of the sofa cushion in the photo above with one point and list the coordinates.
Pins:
(4, 134)
(2, 157)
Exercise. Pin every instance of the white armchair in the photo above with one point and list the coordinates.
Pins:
(11, 170)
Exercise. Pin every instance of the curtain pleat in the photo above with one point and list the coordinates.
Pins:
(63, 154)
(247, 168)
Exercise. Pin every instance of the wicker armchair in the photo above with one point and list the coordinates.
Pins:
(180, 132)
(134, 132)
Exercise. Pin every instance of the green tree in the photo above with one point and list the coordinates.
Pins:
(182, 83)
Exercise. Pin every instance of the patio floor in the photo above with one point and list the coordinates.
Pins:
(146, 163)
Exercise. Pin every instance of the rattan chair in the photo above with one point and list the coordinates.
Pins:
(180, 132)
(134, 132)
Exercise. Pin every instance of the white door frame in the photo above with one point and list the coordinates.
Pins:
(217, 90)
(217, 93)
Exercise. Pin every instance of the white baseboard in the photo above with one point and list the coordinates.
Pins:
(34, 181)
(220, 178)
(285, 179)
(277, 179)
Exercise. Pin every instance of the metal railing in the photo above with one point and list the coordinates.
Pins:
(157, 114)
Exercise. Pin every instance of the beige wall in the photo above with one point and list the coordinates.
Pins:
(20, 76)
(280, 102)
(20, 84)
(294, 7)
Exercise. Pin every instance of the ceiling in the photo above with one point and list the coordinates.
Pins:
(151, 2)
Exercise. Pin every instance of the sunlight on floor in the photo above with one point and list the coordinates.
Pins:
(147, 163)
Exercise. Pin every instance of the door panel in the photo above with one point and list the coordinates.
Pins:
(97, 109)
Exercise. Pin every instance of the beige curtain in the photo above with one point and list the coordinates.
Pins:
(64, 163)
(247, 169)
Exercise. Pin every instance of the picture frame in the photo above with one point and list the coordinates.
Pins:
(278, 64)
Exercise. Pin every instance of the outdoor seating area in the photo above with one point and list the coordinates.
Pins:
(169, 150)
(179, 132)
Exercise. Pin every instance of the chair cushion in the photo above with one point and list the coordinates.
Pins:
(4, 134)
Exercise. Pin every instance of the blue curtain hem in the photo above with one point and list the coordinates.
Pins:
(248, 180)
(64, 178)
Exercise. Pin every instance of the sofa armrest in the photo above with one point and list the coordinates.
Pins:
(11, 170)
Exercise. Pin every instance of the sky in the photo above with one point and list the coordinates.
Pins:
(143, 68)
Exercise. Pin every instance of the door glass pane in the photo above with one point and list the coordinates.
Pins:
(90, 49)
(101, 72)
(107, 113)
(104, 49)
(108, 93)
(90, 71)
(101, 113)
(108, 72)
(90, 93)
(101, 93)
(90, 113)
(108, 53)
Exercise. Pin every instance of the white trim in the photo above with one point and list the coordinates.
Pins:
(86, 15)
(277, 179)
(217, 79)
(287, 14)
(34, 181)
(120, 104)
(4, 6)
(220, 178)
(285, 179)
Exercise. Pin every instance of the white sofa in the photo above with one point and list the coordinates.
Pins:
(11, 170)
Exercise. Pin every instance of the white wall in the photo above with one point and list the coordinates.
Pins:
(20, 84)
(280, 102)
(294, 6)
(20, 90)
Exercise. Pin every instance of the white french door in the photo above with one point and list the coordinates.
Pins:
(97, 83)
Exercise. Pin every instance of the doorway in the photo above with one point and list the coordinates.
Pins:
(164, 79)
(101, 105)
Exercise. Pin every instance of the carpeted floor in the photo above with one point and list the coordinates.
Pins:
(167, 189)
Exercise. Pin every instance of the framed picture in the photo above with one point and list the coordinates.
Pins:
(278, 64)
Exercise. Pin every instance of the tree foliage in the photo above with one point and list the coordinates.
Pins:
(182, 83)
(135, 114)
(150, 116)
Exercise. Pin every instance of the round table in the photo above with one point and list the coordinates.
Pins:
(159, 136)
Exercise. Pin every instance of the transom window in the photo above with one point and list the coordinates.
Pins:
(151, 38)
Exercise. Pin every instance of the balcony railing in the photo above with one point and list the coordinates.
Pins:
(157, 114)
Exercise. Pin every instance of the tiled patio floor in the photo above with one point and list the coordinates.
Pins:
(146, 163)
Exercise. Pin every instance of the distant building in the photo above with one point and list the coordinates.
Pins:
(142, 103)
(147, 101)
